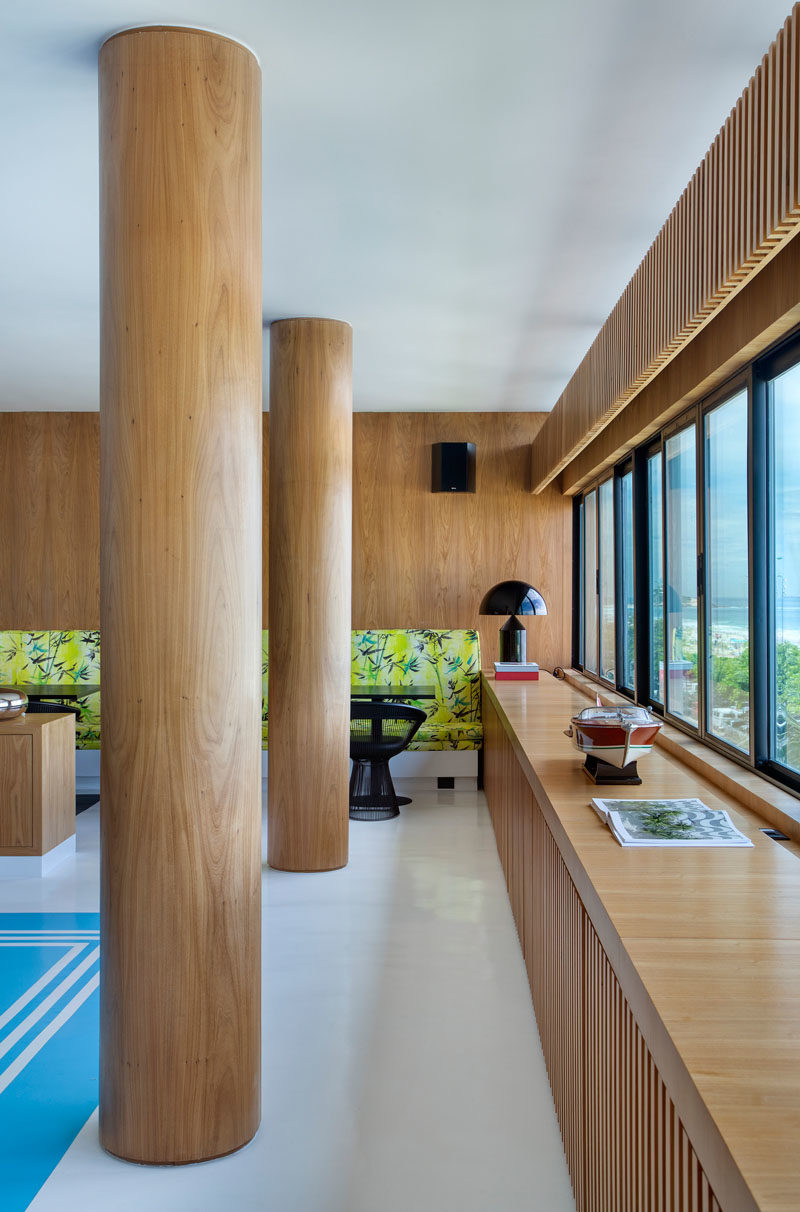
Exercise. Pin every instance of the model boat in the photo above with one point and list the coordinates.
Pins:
(613, 737)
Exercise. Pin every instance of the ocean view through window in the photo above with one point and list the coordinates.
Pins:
(691, 545)
(727, 573)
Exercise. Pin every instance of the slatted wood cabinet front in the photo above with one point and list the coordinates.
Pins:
(626, 1147)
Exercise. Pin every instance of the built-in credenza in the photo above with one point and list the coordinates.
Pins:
(666, 982)
(37, 793)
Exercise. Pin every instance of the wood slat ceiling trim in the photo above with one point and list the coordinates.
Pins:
(740, 207)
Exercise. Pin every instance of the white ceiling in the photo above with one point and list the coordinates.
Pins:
(470, 184)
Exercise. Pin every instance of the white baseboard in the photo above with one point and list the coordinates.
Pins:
(412, 764)
(435, 763)
(27, 866)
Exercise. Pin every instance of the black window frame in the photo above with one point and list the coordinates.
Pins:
(623, 469)
(781, 358)
(754, 380)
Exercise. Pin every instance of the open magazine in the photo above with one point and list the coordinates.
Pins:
(668, 823)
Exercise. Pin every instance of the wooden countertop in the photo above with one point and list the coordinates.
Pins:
(27, 724)
(705, 943)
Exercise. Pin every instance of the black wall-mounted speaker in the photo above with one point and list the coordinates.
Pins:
(453, 467)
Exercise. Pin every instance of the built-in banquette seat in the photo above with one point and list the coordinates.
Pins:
(449, 660)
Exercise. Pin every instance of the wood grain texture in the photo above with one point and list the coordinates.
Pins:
(310, 482)
(180, 427)
(16, 793)
(54, 806)
(763, 312)
(430, 569)
(740, 207)
(423, 559)
(37, 783)
(49, 521)
(686, 969)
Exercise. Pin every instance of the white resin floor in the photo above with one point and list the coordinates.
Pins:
(402, 1070)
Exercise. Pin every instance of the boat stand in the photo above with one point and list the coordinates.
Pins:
(604, 774)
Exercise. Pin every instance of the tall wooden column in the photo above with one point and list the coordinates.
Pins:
(310, 527)
(180, 421)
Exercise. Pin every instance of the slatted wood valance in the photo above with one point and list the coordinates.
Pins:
(738, 210)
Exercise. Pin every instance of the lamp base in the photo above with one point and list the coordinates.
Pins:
(513, 641)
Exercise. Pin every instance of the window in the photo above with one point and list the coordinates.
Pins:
(783, 404)
(579, 576)
(681, 607)
(627, 623)
(727, 573)
(590, 582)
(689, 585)
(655, 578)
(688, 569)
(608, 637)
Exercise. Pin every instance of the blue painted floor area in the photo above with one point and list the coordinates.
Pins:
(49, 1006)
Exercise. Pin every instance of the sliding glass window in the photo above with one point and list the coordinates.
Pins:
(655, 577)
(625, 554)
(783, 410)
(597, 583)
(681, 639)
(608, 629)
(688, 574)
(590, 581)
(727, 573)
(581, 579)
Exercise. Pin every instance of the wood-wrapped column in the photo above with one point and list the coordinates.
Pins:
(180, 442)
(310, 528)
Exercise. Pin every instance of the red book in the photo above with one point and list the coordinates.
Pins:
(516, 675)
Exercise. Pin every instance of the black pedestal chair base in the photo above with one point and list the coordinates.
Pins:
(378, 731)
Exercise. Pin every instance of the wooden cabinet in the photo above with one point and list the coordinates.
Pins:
(37, 784)
(16, 792)
(665, 981)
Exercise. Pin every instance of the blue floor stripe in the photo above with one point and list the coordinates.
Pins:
(48, 1101)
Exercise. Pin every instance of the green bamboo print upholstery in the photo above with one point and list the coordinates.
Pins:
(57, 656)
(448, 659)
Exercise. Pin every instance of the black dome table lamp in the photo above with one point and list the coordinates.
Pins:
(513, 598)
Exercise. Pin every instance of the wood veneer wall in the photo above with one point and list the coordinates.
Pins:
(419, 559)
(423, 559)
(49, 520)
(740, 207)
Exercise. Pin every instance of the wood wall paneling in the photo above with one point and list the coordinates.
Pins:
(420, 559)
(737, 211)
(49, 520)
(423, 559)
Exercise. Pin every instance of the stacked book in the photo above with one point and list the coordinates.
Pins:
(516, 671)
(668, 823)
